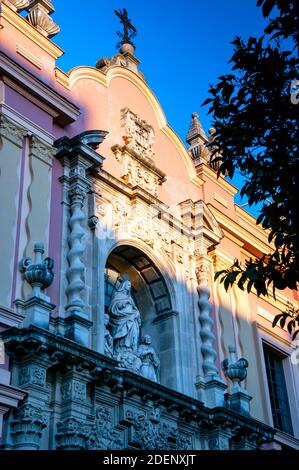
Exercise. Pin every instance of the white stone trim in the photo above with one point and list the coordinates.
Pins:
(28, 56)
(220, 199)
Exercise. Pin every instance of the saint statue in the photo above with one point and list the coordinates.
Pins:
(124, 320)
(149, 359)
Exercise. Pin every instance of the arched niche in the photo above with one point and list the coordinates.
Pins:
(153, 299)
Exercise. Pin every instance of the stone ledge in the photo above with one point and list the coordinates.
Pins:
(61, 354)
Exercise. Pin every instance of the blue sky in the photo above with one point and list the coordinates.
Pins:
(183, 45)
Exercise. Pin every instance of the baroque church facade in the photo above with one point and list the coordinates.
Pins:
(114, 334)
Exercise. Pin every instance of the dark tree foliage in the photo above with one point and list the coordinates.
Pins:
(256, 124)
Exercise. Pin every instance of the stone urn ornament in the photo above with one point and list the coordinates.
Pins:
(39, 274)
(235, 369)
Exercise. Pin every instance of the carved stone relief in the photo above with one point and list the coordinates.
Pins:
(32, 375)
(137, 134)
(11, 131)
(102, 435)
(43, 152)
(136, 171)
(73, 390)
(27, 426)
(123, 331)
(137, 153)
(149, 431)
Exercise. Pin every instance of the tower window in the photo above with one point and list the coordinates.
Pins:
(278, 390)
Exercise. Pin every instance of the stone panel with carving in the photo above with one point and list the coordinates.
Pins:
(137, 171)
(102, 435)
(137, 134)
(150, 432)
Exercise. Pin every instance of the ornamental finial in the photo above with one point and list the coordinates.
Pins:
(39, 17)
(235, 370)
(39, 274)
(129, 31)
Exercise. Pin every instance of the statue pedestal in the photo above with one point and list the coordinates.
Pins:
(211, 390)
(77, 328)
(36, 311)
(239, 401)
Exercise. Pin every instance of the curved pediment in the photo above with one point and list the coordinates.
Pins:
(210, 222)
(206, 223)
(104, 96)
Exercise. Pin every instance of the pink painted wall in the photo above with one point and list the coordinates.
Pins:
(10, 37)
(101, 109)
(29, 110)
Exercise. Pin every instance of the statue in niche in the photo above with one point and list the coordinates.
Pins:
(124, 319)
(108, 340)
(149, 359)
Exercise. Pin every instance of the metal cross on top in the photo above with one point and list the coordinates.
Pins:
(129, 30)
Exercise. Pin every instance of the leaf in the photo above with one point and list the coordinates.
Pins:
(208, 100)
(219, 273)
(276, 319)
(295, 334)
(267, 7)
(290, 326)
(282, 322)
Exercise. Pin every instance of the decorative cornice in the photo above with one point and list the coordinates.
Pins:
(250, 220)
(85, 145)
(10, 396)
(67, 111)
(220, 199)
(272, 332)
(29, 31)
(9, 317)
(60, 352)
(29, 56)
(28, 95)
(17, 5)
(205, 170)
(235, 239)
(239, 231)
(62, 78)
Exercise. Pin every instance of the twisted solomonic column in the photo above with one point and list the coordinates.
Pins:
(81, 161)
(211, 387)
(206, 323)
(75, 272)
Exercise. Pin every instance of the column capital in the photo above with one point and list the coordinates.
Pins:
(12, 131)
